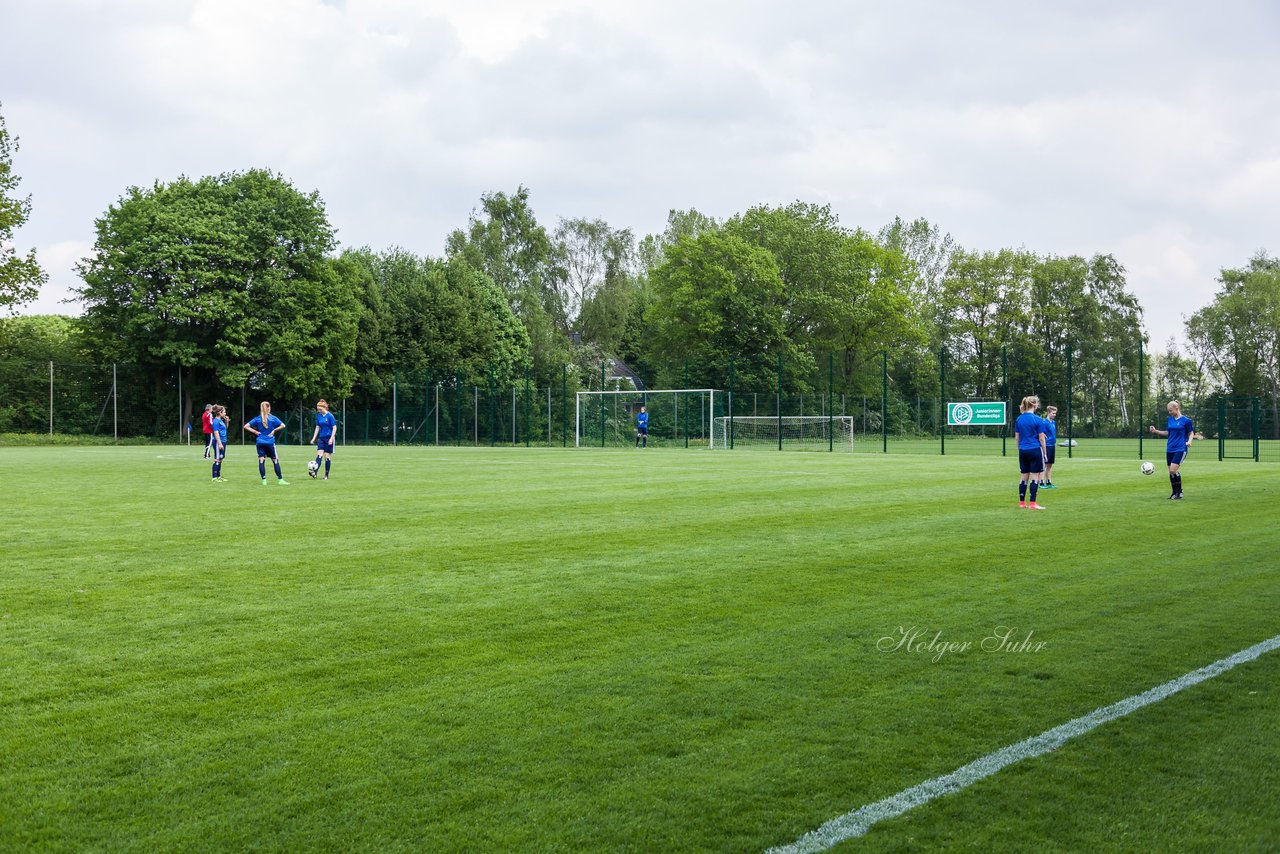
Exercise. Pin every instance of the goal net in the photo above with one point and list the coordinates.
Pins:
(680, 417)
(817, 431)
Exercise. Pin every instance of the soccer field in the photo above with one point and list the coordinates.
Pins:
(511, 649)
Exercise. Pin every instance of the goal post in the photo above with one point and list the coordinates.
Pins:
(678, 417)
(816, 431)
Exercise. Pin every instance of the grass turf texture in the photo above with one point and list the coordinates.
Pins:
(616, 649)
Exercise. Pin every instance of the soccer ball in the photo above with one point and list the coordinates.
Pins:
(313, 468)
(1147, 468)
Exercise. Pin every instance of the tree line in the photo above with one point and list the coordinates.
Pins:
(238, 280)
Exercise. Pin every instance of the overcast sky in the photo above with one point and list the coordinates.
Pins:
(1147, 130)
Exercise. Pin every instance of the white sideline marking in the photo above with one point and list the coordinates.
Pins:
(856, 823)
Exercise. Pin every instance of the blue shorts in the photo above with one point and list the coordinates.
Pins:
(1049, 455)
(1174, 458)
(325, 445)
(268, 451)
(220, 453)
(1030, 462)
(642, 431)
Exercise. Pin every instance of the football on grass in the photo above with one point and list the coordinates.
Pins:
(313, 467)
(1148, 468)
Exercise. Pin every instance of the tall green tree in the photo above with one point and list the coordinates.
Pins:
(680, 224)
(1238, 334)
(227, 277)
(505, 241)
(844, 293)
(20, 275)
(428, 314)
(984, 304)
(718, 299)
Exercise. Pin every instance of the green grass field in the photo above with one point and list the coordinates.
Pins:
(509, 649)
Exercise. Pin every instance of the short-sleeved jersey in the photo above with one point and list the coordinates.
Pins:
(1050, 432)
(642, 420)
(206, 422)
(1180, 429)
(220, 428)
(265, 436)
(327, 424)
(1028, 428)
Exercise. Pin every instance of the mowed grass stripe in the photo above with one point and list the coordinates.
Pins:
(451, 647)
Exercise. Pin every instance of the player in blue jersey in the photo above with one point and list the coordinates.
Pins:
(1029, 431)
(264, 428)
(218, 440)
(1050, 446)
(1181, 433)
(322, 437)
(642, 427)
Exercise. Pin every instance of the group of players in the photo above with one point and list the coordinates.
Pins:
(264, 428)
(1037, 441)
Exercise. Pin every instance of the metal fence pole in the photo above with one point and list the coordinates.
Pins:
(884, 402)
(1141, 398)
(51, 399)
(942, 398)
(1070, 393)
(115, 404)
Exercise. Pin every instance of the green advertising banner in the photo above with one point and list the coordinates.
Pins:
(979, 414)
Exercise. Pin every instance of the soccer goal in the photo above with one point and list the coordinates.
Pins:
(817, 431)
(679, 417)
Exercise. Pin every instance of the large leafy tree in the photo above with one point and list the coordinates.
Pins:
(844, 293)
(505, 241)
(229, 278)
(984, 304)
(20, 275)
(1238, 334)
(426, 314)
(718, 299)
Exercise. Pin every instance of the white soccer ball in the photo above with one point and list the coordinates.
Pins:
(1148, 468)
(313, 467)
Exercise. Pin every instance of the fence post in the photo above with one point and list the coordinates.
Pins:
(115, 404)
(51, 401)
(426, 402)
(564, 407)
(395, 415)
(1070, 394)
(831, 384)
(527, 404)
(884, 402)
(779, 408)
(602, 381)
(179, 401)
(730, 406)
(942, 398)
(1004, 395)
(1141, 399)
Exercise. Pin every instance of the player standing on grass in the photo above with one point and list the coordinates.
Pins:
(642, 427)
(1181, 433)
(265, 427)
(219, 425)
(1050, 445)
(1029, 430)
(322, 437)
(206, 426)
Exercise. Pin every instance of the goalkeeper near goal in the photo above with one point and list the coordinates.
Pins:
(642, 427)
